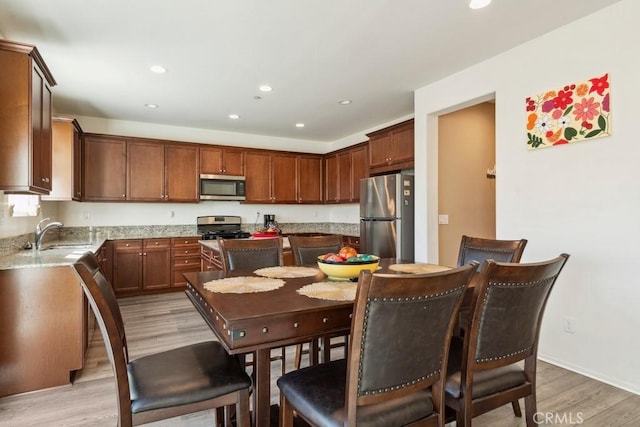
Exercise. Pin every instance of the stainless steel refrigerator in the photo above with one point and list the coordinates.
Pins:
(387, 216)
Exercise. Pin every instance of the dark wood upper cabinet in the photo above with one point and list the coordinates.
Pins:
(105, 168)
(221, 161)
(25, 120)
(181, 178)
(284, 178)
(344, 169)
(65, 143)
(391, 148)
(309, 179)
(145, 171)
(258, 177)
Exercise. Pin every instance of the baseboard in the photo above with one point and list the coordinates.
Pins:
(615, 382)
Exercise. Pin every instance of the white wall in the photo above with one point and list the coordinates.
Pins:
(582, 198)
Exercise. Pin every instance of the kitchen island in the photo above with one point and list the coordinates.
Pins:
(45, 323)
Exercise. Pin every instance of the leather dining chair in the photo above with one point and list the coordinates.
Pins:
(250, 254)
(394, 372)
(504, 328)
(306, 250)
(168, 384)
(481, 249)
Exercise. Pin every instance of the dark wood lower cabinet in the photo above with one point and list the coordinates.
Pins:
(185, 258)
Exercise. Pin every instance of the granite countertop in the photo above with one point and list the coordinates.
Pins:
(53, 254)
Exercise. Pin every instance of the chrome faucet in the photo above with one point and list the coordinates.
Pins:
(40, 232)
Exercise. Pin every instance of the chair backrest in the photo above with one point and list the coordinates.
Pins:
(105, 306)
(403, 322)
(250, 254)
(306, 249)
(505, 324)
(480, 249)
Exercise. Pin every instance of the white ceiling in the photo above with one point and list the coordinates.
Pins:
(313, 54)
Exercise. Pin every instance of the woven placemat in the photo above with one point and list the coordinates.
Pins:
(287, 272)
(335, 291)
(418, 268)
(243, 285)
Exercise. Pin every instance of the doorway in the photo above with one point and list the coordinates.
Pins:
(466, 185)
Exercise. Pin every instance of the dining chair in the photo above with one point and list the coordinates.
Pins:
(504, 328)
(306, 250)
(250, 254)
(394, 372)
(481, 249)
(168, 384)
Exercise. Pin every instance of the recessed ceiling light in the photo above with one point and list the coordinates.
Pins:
(234, 116)
(344, 102)
(299, 125)
(158, 69)
(265, 88)
(479, 4)
(151, 105)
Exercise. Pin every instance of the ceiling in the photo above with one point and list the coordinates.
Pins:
(312, 53)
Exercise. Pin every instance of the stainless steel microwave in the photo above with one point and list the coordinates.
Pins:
(222, 187)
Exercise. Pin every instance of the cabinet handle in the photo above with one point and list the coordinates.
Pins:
(145, 254)
(186, 241)
(156, 243)
(124, 195)
(127, 245)
(186, 252)
(140, 254)
(186, 261)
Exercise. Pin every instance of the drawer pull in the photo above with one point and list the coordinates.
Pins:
(296, 324)
(325, 320)
(264, 330)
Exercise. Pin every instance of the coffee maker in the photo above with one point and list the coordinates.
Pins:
(270, 221)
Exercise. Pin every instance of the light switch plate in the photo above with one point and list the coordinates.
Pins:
(443, 219)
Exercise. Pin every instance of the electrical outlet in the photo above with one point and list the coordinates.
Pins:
(569, 324)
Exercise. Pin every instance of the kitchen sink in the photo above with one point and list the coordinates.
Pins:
(76, 246)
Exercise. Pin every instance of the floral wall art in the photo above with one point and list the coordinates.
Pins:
(574, 113)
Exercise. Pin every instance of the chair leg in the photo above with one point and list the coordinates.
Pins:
(516, 408)
(530, 408)
(286, 413)
(242, 409)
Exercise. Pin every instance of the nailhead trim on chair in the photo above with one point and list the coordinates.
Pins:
(366, 318)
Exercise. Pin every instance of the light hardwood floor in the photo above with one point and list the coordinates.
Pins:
(159, 322)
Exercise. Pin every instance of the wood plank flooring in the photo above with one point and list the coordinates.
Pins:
(159, 322)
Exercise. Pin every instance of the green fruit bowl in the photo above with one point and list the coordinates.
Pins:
(347, 270)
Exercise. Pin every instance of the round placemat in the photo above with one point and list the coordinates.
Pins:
(243, 285)
(287, 272)
(418, 268)
(335, 291)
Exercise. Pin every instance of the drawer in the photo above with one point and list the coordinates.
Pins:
(127, 244)
(192, 260)
(156, 243)
(177, 242)
(185, 251)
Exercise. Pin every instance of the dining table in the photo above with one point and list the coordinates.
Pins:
(257, 322)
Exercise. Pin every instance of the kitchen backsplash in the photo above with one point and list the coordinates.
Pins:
(11, 245)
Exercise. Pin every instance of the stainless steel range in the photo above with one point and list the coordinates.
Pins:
(226, 227)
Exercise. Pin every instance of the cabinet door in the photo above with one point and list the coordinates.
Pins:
(156, 268)
(62, 160)
(211, 160)
(182, 180)
(344, 177)
(284, 179)
(105, 168)
(359, 170)
(258, 183)
(145, 171)
(41, 131)
(331, 181)
(127, 267)
(379, 150)
(402, 143)
(233, 162)
(78, 158)
(309, 179)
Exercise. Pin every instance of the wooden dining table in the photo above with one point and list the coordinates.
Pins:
(260, 321)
